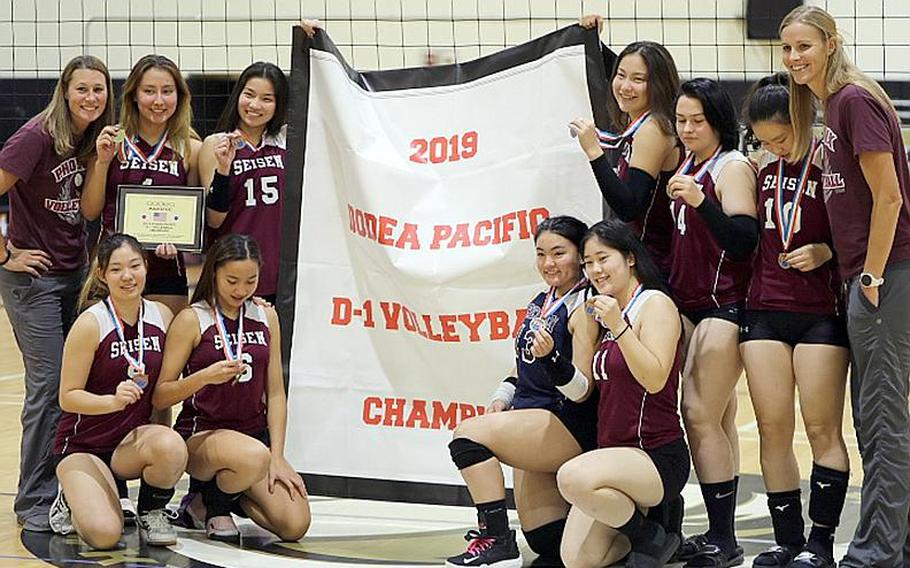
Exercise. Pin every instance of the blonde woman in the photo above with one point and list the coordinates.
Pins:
(866, 182)
(43, 261)
(154, 144)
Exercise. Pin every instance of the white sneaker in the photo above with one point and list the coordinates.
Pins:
(129, 512)
(155, 528)
(59, 516)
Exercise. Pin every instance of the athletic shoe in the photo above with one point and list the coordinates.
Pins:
(191, 512)
(155, 528)
(655, 553)
(222, 528)
(488, 551)
(808, 559)
(61, 521)
(775, 557)
(129, 512)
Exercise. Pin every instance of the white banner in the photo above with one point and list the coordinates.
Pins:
(416, 258)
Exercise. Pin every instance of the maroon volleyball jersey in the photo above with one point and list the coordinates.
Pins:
(167, 169)
(235, 405)
(628, 415)
(102, 433)
(257, 187)
(702, 276)
(776, 288)
(655, 226)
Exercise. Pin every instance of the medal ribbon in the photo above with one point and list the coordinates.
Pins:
(137, 364)
(547, 310)
(636, 294)
(610, 140)
(129, 149)
(690, 161)
(229, 352)
(786, 224)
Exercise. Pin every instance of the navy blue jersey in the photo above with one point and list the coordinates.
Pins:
(534, 388)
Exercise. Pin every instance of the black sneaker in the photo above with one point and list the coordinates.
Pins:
(489, 551)
(775, 557)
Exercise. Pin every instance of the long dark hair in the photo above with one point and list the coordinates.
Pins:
(226, 249)
(717, 106)
(767, 100)
(94, 290)
(230, 116)
(663, 84)
(617, 235)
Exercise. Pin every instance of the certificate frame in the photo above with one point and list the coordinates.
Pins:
(156, 214)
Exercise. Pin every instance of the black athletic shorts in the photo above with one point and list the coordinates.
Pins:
(673, 463)
(730, 312)
(793, 328)
(579, 420)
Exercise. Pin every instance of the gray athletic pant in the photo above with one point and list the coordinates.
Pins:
(880, 356)
(41, 311)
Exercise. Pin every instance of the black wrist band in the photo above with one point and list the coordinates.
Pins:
(219, 198)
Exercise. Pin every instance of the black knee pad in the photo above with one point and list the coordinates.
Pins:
(466, 453)
(669, 514)
(826, 499)
(545, 540)
(122, 490)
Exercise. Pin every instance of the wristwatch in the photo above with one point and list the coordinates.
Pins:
(868, 280)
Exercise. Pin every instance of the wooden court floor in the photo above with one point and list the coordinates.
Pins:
(347, 532)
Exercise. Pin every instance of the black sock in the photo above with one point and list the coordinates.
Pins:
(122, 490)
(196, 485)
(720, 502)
(642, 533)
(217, 502)
(495, 517)
(152, 498)
(787, 518)
(826, 502)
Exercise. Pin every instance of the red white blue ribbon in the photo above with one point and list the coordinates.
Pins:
(611, 140)
(129, 148)
(786, 223)
(690, 161)
(136, 364)
(229, 353)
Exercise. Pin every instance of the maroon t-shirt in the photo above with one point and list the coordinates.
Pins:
(236, 405)
(702, 275)
(655, 226)
(44, 203)
(102, 433)
(257, 186)
(772, 287)
(856, 122)
(167, 169)
(628, 415)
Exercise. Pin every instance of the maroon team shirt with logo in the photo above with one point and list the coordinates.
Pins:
(655, 226)
(775, 288)
(167, 169)
(44, 203)
(628, 415)
(102, 433)
(235, 405)
(702, 275)
(855, 123)
(257, 187)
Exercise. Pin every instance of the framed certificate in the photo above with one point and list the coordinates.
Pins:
(156, 214)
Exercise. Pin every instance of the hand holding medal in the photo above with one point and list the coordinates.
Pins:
(543, 343)
(787, 214)
(605, 310)
(232, 353)
(806, 258)
(584, 129)
(135, 366)
(226, 149)
(106, 145)
(126, 394)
